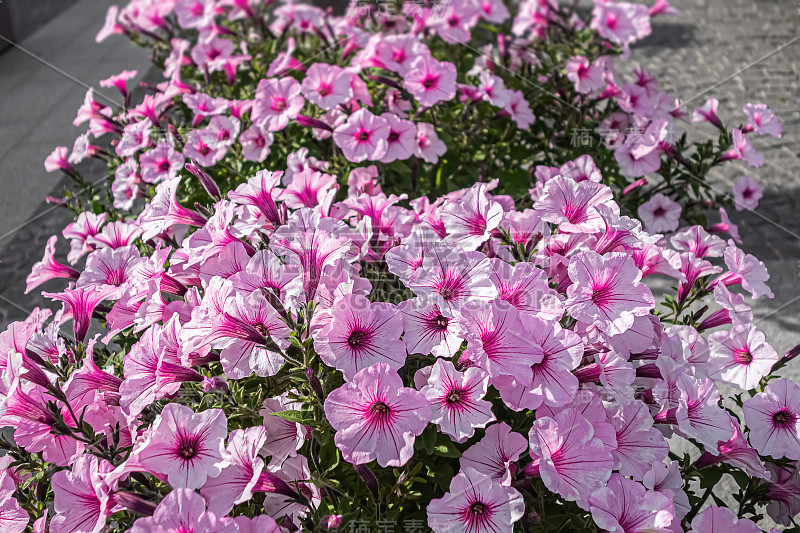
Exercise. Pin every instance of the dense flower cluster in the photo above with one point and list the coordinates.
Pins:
(267, 337)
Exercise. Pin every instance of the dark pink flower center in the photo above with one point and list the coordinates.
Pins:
(204, 149)
(380, 411)
(784, 418)
(163, 166)
(188, 448)
(278, 103)
(260, 142)
(393, 136)
(324, 89)
(601, 295)
(357, 338)
(440, 322)
(430, 81)
(659, 212)
(363, 135)
(455, 395)
(742, 356)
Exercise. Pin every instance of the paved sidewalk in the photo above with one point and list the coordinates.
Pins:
(712, 40)
(37, 108)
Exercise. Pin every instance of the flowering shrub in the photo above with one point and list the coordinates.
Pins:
(268, 335)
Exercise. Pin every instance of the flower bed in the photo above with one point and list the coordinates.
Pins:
(269, 334)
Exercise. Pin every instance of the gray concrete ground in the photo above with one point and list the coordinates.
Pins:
(37, 108)
(27, 16)
(713, 40)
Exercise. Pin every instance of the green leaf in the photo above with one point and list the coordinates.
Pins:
(445, 447)
(295, 416)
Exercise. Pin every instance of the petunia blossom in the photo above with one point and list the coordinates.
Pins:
(277, 102)
(607, 291)
(747, 191)
(363, 136)
(361, 334)
(476, 503)
(573, 463)
(625, 506)
(457, 400)
(186, 447)
(740, 356)
(660, 214)
(376, 417)
(773, 418)
(496, 453)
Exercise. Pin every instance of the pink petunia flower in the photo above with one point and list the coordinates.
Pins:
(747, 192)
(186, 447)
(607, 291)
(202, 146)
(625, 506)
(57, 160)
(327, 86)
(429, 147)
(698, 414)
(715, 519)
(454, 22)
(660, 214)
(572, 462)
(476, 503)
(197, 14)
(184, 510)
(736, 452)
(255, 142)
(572, 205)
(773, 417)
(401, 140)
(457, 400)
(431, 81)
(429, 329)
(708, 112)
(497, 342)
(586, 76)
(363, 136)
(470, 221)
(622, 22)
(746, 269)
(13, 519)
(244, 475)
(82, 497)
(79, 304)
(360, 334)
(639, 444)
(740, 356)
(284, 437)
(743, 149)
(277, 102)
(762, 120)
(250, 335)
(495, 454)
(161, 163)
(452, 278)
(376, 417)
(48, 268)
(309, 188)
(135, 137)
(519, 109)
(553, 383)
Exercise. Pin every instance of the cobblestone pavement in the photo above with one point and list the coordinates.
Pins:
(710, 41)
